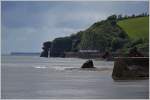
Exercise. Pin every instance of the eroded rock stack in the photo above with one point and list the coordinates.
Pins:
(46, 49)
(126, 68)
(88, 64)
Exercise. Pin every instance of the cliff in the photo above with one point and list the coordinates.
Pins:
(104, 36)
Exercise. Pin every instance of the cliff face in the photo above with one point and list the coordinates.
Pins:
(46, 47)
(59, 46)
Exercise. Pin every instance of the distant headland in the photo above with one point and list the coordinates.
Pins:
(25, 53)
(116, 35)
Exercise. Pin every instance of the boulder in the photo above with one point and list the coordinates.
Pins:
(128, 68)
(88, 64)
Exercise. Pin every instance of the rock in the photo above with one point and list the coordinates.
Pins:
(46, 49)
(107, 56)
(135, 53)
(127, 68)
(88, 64)
(44, 54)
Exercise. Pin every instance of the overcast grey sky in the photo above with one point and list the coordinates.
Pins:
(26, 25)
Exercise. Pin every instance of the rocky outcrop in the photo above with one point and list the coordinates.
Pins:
(127, 68)
(133, 52)
(88, 64)
(107, 56)
(59, 46)
(46, 49)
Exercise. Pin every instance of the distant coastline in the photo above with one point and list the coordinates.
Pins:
(25, 53)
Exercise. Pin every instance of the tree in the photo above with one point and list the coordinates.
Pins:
(117, 43)
(119, 17)
(133, 15)
(112, 17)
(61, 45)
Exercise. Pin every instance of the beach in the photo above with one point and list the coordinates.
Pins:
(32, 77)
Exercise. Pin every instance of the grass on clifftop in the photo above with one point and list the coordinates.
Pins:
(136, 27)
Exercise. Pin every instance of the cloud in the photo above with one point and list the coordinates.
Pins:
(26, 25)
(30, 39)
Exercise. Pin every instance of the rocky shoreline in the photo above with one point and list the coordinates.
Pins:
(126, 68)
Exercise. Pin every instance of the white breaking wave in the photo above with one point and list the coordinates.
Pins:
(39, 66)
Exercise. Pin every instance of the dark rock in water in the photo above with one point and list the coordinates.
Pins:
(127, 68)
(88, 64)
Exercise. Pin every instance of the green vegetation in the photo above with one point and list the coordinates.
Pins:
(115, 34)
(138, 31)
(61, 45)
(103, 36)
(136, 27)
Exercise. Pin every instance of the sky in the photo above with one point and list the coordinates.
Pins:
(25, 25)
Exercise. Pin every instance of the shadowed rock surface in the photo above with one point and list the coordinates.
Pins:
(88, 64)
(46, 47)
(126, 68)
(135, 53)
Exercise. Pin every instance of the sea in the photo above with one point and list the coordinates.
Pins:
(33, 77)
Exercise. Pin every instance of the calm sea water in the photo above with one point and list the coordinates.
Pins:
(26, 77)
